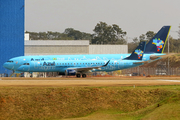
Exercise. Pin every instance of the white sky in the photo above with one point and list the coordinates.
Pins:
(136, 17)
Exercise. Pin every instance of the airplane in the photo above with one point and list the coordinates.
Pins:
(154, 51)
(81, 67)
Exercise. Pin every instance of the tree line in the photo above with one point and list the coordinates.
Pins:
(103, 34)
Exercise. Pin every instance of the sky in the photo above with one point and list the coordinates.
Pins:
(136, 17)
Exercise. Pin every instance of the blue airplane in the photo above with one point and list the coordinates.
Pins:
(81, 67)
(154, 51)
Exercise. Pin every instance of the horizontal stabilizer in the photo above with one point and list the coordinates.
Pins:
(145, 62)
(154, 57)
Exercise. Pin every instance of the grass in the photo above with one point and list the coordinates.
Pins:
(85, 103)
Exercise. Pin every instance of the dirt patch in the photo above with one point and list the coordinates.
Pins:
(96, 81)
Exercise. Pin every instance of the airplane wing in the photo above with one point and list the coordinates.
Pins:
(85, 69)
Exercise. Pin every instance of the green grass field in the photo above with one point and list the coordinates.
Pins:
(88, 103)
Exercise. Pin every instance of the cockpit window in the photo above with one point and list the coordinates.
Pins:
(26, 64)
(10, 61)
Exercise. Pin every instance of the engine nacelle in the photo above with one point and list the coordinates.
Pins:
(71, 72)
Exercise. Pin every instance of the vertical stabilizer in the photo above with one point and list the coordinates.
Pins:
(158, 42)
(137, 54)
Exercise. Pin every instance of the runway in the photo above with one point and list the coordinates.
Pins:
(63, 82)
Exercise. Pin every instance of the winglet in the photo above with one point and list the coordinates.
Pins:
(106, 63)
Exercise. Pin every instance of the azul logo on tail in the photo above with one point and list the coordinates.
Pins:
(139, 53)
(159, 43)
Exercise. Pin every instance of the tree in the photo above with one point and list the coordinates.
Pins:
(105, 34)
(136, 41)
(142, 37)
(100, 35)
(77, 35)
(150, 35)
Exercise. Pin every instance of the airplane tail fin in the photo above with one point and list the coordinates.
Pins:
(158, 42)
(137, 54)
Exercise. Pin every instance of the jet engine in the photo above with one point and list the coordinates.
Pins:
(70, 72)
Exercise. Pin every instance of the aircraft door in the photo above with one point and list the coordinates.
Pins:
(36, 65)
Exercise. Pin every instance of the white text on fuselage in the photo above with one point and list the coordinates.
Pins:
(32, 59)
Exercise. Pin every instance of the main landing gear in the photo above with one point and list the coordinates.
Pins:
(79, 75)
(83, 75)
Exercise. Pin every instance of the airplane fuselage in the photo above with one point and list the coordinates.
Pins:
(15, 63)
(63, 65)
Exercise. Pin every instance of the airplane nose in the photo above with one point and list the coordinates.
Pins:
(7, 66)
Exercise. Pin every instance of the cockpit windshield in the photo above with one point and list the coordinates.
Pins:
(26, 64)
(10, 61)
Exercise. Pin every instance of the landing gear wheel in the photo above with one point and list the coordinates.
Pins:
(83, 75)
(78, 75)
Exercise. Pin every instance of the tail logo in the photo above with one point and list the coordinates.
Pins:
(159, 43)
(139, 53)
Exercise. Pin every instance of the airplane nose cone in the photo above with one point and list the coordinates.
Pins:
(7, 66)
